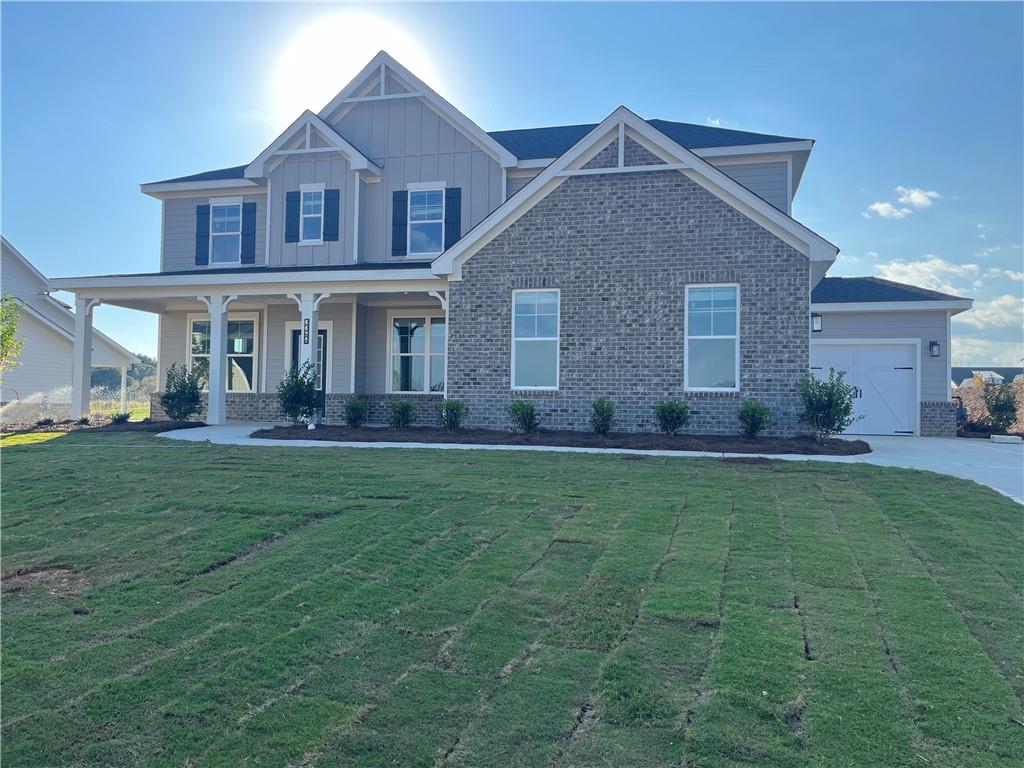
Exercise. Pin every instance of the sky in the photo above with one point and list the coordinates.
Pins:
(917, 111)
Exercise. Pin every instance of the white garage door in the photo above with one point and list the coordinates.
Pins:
(886, 379)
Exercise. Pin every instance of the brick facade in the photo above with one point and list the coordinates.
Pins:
(622, 248)
(938, 418)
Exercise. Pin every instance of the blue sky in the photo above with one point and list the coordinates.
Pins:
(917, 111)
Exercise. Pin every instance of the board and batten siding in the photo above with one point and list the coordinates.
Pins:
(769, 181)
(414, 144)
(179, 239)
(339, 357)
(925, 325)
(44, 364)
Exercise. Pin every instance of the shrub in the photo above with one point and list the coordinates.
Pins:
(451, 413)
(180, 398)
(401, 413)
(120, 418)
(46, 422)
(828, 404)
(523, 415)
(82, 421)
(1001, 404)
(355, 410)
(754, 418)
(297, 393)
(603, 416)
(672, 416)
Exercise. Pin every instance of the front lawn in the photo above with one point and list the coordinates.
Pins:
(171, 604)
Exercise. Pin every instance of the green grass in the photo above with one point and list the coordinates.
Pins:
(139, 410)
(273, 606)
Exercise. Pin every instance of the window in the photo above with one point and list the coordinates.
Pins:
(241, 353)
(312, 224)
(225, 233)
(417, 354)
(711, 355)
(426, 221)
(535, 339)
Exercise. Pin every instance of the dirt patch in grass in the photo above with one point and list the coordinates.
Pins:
(569, 438)
(59, 580)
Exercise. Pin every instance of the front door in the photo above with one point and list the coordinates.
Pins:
(321, 359)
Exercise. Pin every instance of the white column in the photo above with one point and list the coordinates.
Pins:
(217, 387)
(124, 388)
(81, 369)
(309, 311)
(443, 298)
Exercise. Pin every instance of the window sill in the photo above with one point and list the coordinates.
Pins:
(533, 391)
(415, 392)
(310, 242)
(711, 392)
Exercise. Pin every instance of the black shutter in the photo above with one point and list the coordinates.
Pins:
(248, 233)
(202, 235)
(399, 222)
(332, 213)
(292, 203)
(452, 216)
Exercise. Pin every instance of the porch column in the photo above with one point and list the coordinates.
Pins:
(81, 369)
(443, 298)
(124, 388)
(309, 309)
(217, 384)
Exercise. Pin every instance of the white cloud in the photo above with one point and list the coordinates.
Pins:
(969, 351)
(872, 254)
(1007, 274)
(932, 272)
(919, 198)
(984, 253)
(1006, 311)
(888, 211)
(715, 121)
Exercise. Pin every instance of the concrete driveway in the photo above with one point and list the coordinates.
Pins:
(998, 466)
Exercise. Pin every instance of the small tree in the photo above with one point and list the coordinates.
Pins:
(523, 415)
(355, 410)
(10, 344)
(754, 418)
(297, 393)
(828, 404)
(603, 416)
(401, 413)
(1001, 404)
(672, 416)
(450, 414)
(180, 398)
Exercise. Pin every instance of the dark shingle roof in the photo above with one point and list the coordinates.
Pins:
(221, 174)
(1008, 374)
(536, 143)
(841, 290)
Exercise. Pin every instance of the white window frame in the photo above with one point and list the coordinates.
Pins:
(296, 325)
(303, 189)
(423, 186)
(255, 317)
(557, 338)
(687, 337)
(221, 202)
(429, 315)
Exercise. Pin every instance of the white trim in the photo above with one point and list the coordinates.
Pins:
(385, 97)
(232, 200)
(325, 325)
(266, 335)
(953, 305)
(805, 145)
(352, 351)
(225, 202)
(266, 228)
(421, 186)
(415, 312)
(254, 316)
(314, 278)
(557, 339)
(312, 189)
(540, 162)
(160, 189)
(687, 337)
(355, 217)
(626, 169)
(424, 186)
(357, 160)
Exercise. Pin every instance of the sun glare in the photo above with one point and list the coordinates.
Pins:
(324, 55)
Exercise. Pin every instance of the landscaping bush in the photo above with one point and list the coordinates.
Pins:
(180, 398)
(451, 413)
(120, 418)
(47, 422)
(297, 393)
(672, 416)
(603, 416)
(1001, 404)
(401, 413)
(828, 405)
(523, 415)
(355, 410)
(82, 421)
(754, 418)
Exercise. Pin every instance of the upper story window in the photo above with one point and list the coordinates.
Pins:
(426, 222)
(535, 332)
(225, 233)
(711, 356)
(312, 214)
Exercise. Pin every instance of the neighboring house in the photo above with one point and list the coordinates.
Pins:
(415, 255)
(43, 374)
(989, 375)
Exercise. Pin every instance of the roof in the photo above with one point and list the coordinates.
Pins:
(221, 174)
(537, 143)
(361, 266)
(844, 290)
(958, 374)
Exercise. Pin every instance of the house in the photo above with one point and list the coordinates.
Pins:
(411, 254)
(40, 384)
(964, 377)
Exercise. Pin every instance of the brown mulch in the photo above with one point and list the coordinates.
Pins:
(569, 438)
(100, 424)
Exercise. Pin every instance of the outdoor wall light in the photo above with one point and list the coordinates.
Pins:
(933, 348)
(816, 323)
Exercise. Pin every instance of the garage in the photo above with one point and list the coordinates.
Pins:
(886, 377)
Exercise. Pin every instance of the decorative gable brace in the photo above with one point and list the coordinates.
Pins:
(310, 135)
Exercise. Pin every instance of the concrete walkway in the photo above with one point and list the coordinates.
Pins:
(1000, 467)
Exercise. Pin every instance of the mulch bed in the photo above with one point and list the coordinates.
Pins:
(100, 424)
(981, 433)
(568, 438)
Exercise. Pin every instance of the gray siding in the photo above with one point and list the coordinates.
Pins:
(172, 344)
(179, 251)
(340, 357)
(926, 326)
(413, 143)
(769, 180)
(515, 183)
